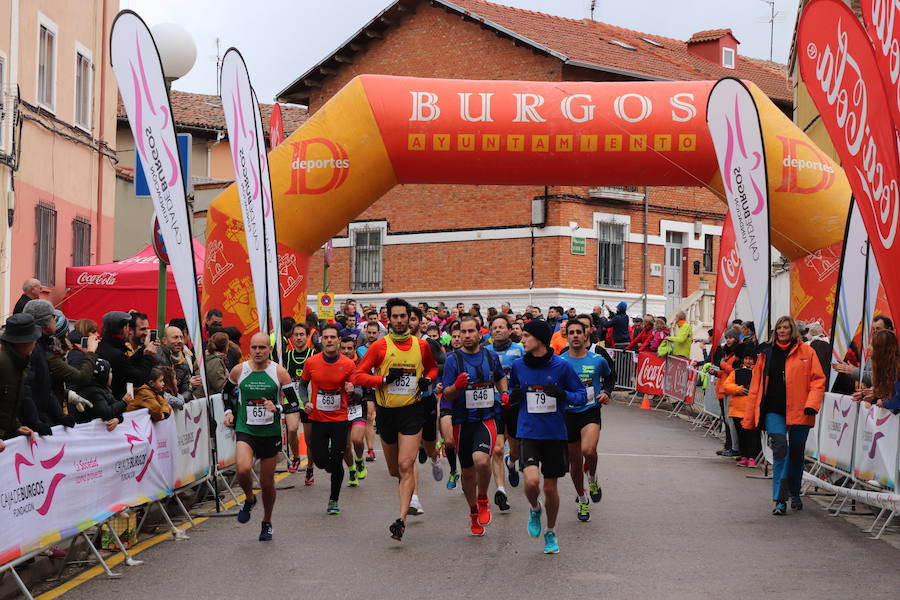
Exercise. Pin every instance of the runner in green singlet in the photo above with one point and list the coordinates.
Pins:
(265, 391)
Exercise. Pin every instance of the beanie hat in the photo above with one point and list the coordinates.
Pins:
(101, 371)
(622, 306)
(733, 333)
(540, 330)
(62, 324)
(41, 311)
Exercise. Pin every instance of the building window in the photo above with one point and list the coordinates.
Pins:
(45, 244)
(708, 253)
(367, 244)
(83, 89)
(81, 242)
(46, 92)
(728, 58)
(611, 255)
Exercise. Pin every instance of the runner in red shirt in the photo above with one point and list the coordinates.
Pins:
(326, 403)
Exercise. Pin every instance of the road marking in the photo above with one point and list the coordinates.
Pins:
(658, 455)
(119, 557)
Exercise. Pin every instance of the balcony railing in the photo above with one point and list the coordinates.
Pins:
(628, 193)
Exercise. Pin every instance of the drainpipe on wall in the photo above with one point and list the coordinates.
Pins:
(12, 85)
(101, 133)
(646, 257)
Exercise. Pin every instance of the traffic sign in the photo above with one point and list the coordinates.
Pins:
(159, 245)
(325, 306)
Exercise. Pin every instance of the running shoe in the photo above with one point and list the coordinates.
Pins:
(310, 477)
(265, 533)
(476, 527)
(796, 503)
(512, 475)
(361, 471)
(244, 514)
(422, 456)
(780, 509)
(437, 470)
(415, 507)
(352, 481)
(723, 451)
(534, 523)
(484, 511)
(397, 528)
(742, 462)
(551, 544)
(584, 512)
(452, 479)
(751, 463)
(333, 508)
(731, 453)
(294, 465)
(370, 456)
(595, 491)
(501, 500)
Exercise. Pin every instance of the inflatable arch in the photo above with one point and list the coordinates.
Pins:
(379, 131)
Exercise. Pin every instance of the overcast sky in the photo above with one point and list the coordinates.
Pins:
(281, 39)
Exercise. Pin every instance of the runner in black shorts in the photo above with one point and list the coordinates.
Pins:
(403, 365)
(294, 359)
(545, 385)
(446, 422)
(354, 455)
(470, 376)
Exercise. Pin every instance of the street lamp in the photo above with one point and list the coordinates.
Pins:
(177, 50)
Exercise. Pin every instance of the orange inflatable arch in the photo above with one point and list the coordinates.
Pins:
(379, 131)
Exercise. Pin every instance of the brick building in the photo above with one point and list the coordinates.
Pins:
(491, 244)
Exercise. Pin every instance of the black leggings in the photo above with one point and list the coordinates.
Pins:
(329, 440)
(748, 440)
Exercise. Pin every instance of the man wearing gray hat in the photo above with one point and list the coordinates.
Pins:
(49, 372)
(16, 344)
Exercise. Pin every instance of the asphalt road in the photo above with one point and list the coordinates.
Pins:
(675, 522)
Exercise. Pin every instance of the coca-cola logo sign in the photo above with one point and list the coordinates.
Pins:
(651, 372)
(106, 278)
(730, 268)
(840, 68)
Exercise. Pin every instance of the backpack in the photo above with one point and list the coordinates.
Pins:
(666, 347)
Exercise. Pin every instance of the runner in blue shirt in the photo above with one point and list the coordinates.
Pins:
(583, 422)
(508, 352)
(472, 375)
(545, 385)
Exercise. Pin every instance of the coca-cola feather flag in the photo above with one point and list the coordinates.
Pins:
(729, 282)
(839, 66)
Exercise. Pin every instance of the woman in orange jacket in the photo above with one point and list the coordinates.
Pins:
(793, 390)
(743, 399)
(724, 359)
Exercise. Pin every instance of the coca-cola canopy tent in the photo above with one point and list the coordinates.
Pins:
(132, 283)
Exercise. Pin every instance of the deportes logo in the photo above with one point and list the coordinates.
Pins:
(318, 166)
(36, 479)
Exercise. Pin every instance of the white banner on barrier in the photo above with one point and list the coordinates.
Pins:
(876, 446)
(192, 432)
(710, 400)
(225, 438)
(837, 421)
(812, 442)
(52, 487)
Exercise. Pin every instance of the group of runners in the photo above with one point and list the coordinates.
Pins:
(514, 412)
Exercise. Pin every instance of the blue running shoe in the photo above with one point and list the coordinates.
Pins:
(265, 534)
(451, 481)
(551, 544)
(244, 514)
(534, 523)
(595, 491)
(512, 475)
(780, 509)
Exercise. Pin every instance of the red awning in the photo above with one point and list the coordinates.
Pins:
(94, 290)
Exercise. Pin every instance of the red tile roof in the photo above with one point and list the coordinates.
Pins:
(709, 35)
(205, 112)
(588, 41)
(580, 43)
